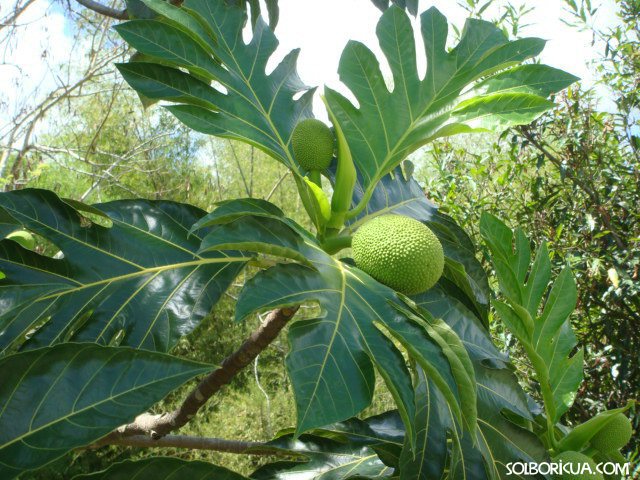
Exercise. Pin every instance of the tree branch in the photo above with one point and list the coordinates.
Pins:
(157, 426)
(18, 10)
(194, 443)
(104, 10)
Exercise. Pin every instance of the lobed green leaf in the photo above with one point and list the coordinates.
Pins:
(58, 398)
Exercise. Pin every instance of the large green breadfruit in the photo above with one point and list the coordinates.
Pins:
(614, 435)
(313, 144)
(613, 457)
(400, 252)
(574, 462)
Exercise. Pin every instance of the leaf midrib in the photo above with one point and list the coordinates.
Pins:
(95, 405)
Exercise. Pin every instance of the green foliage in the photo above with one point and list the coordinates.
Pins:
(570, 180)
(312, 144)
(256, 108)
(578, 438)
(59, 398)
(464, 313)
(400, 252)
(339, 451)
(352, 303)
(545, 333)
(105, 287)
(418, 111)
(146, 273)
(23, 238)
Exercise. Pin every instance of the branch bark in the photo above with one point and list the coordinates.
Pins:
(195, 443)
(104, 10)
(157, 426)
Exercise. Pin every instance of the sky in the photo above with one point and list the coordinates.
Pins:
(320, 27)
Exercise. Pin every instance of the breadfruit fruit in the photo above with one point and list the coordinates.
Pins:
(400, 252)
(574, 463)
(613, 457)
(23, 238)
(313, 144)
(614, 435)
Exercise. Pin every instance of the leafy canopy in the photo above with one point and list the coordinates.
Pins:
(130, 278)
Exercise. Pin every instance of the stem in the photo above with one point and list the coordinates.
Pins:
(333, 245)
(315, 177)
(104, 10)
(545, 389)
(361, 206)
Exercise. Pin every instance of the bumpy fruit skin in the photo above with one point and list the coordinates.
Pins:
(614, 435)
(313, 144)
(577, 458)
(400, 252)
(601, 458)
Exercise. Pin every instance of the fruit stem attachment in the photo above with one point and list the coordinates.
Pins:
(315, 177)
(333, 245)
(346, 175)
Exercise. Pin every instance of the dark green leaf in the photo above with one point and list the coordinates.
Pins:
(433, 422)
(257, 234)
(230, 210)
(323, 459)
(384, 433)
(139, 282)
(162, 468)
(332, 357)
(535, 79)
(58, 398)
(137, 9)
(388, 125)
(498, 440)
(244, 102)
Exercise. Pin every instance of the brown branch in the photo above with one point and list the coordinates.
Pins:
(194, 443)
(104, 10)
(157, 426)
(12, 18)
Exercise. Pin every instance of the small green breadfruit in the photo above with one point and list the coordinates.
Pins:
(23, 238)
(313, 144)
(400, 252)
(614, 435)
(573, 467)
(612, 457)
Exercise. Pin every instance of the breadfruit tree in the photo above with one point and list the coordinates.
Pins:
(87, 334)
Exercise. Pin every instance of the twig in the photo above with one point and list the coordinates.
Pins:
(104, 10)
(157, 426)
(194, 443)
(593, 195)
(277, 184)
